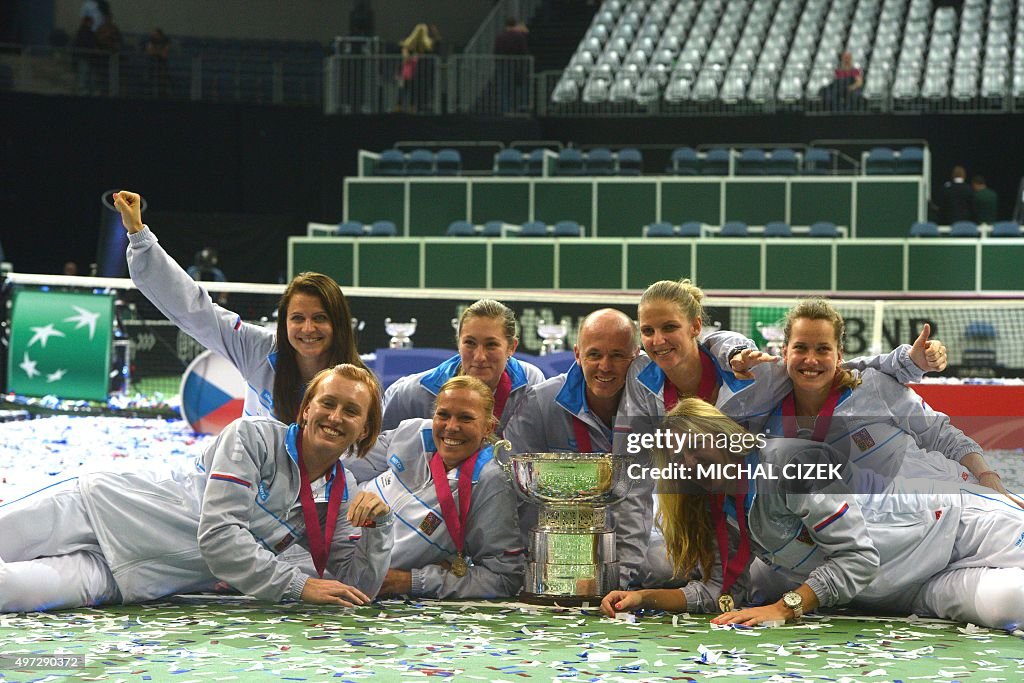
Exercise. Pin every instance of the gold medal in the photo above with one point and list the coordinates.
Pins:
(459, 566)
(726, 603)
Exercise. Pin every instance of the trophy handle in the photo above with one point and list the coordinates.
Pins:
(506, 464)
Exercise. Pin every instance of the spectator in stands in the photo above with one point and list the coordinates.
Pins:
(84, 48)
(95, 11)
(986, 201)
(361, 19)
(957, 200)
(204, 267)
(158, 50)
(70, 268)
(109, 41)
(414, 82)
(512, 42)
(846, 89)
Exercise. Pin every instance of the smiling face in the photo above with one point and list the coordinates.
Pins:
(812, 355)
(460, 424)
(484, 349)
(604, 350)
(669, 336)
(309, 328)
(336, 416)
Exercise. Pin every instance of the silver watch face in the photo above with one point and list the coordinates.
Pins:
(792, 600)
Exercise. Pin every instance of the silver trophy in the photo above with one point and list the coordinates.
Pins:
(553, 337)
(572, 551)
(774, 337)
(401, 333)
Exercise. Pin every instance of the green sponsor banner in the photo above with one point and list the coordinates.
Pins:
(60, 345)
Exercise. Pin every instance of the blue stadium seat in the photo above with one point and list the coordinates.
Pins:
(460, 229)
(391, 162)
(817, 161)
(383, 229)
(535, 162)
(421, 162)
(824, 229)
(690, 229)
(716, 162)
(910, 161)
(631, 162)
(1006, 229)
(684, 161)
(600, 162)
(782, 162)
(880, 161)
(568, 229)
(509, 162)
(964, 229)
(449, 162)
(733, 229)
(534, 229)
(751, 162)
(660, 230)
(924, 229)
(777, 229)
(570, 162)
(349, 229)
(492, 229)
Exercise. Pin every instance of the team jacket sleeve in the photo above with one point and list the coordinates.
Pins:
(360, 557)
(187, 305)
(228, 546)
(723, 343)
(493, 543)
(402, 401)
(897, 364)
(930, 428)
(525, 429)
(375, 462)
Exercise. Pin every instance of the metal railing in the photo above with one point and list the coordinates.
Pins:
(482, 42)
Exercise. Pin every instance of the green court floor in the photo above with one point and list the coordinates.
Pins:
(225, 639)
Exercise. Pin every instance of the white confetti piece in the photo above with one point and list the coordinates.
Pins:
(627, 617)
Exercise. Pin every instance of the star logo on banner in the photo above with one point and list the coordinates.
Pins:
(29, 366)
(84, 317)
(43, 334)
(56, 375)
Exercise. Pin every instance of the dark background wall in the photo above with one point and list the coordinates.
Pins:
(263, 172)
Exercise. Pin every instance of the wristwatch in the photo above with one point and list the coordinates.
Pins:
(795, 602)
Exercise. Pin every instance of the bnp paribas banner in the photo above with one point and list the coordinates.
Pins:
(60, 345)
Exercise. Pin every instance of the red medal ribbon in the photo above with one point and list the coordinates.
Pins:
(319, 541)
(583, 443)
(733, 566)
(821, 422)
(501, 394)
(705, 390)
(456, 522)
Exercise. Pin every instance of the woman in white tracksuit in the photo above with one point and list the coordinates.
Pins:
(313, 322)
(487, 339)
(456, 534)
(847, 536)
(141, 534)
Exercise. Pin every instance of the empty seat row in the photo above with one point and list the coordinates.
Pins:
(599, 161)
(375, 229)
(528, 229)
(821, 229)
(753, 161)
(419, 162)
(964, 229)
(887, 161)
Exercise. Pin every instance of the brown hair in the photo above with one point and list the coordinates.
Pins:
(374, 415)
(482, 391)
(683, 293)
(287, 381)
(821, 309)
(489, 308)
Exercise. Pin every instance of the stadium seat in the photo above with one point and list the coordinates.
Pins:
(684, 161)
(449, 162)
(350, 229)
(733, 229)
(777, 229)
(782, 162)
(509, 162)
(690, 229)
(568, 229)
(534, 229)
(659, 230)
(391, 162)
(817, 161)
(383, 229)
(910, 161)
(751, 162)
(979, 344)
(570, 162)
(421, 162)
(600, 162)
(880, 161)
(964, 229)
(631, 162)
(823, 229)
(535, 162)
(461, 229)
(716, 162)
(492, 229)
(924, 229)
(1005, 229)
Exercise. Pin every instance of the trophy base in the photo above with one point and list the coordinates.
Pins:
(568, 584)
(558, 600)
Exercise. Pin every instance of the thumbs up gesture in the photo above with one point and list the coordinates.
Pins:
(928, 354)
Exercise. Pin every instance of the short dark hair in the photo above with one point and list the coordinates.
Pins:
(978, 179)
(511, 21)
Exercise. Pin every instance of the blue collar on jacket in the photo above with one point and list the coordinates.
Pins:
(486, 453)
(291, 445)
(573, 394)
(751, 461)
(435, 379)
(653, 377)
